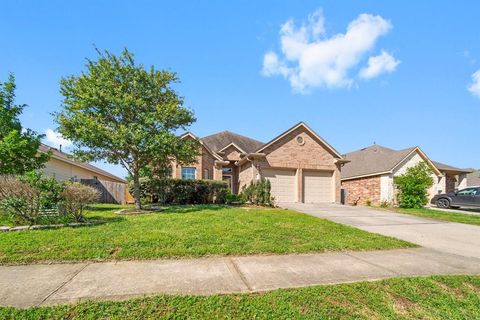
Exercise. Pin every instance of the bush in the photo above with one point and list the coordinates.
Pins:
(75, 198)
(258, 193)
(233, 199)
(413, 186)
(50, 189)
(180, 191)
(19, 199)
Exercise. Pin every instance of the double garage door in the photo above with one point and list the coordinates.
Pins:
(317, 186)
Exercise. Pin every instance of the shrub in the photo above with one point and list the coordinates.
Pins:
(19, 199)
(75, 198)
(179, 191)
(231, 198)
(50, 189)
(413, 186)
(368, 203)
(258, 193)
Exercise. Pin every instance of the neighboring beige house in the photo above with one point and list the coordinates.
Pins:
(368, 177)
(301, 166)
(63, 167)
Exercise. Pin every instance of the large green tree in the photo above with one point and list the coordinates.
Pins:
(120, 112)
(18, 146)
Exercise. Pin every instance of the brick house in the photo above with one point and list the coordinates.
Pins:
(368, 176)
(301, 166)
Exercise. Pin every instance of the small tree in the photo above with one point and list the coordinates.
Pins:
(119, 112)
(413, 186)
(18, 146)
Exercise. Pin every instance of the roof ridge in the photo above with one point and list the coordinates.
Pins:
(233, 133)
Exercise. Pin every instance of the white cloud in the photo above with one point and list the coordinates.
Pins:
(313, 60)
(474, 88)
(56, 140)
(383, 63)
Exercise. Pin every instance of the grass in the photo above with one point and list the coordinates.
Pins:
(437, 297)
(188, 231)
(443, 215)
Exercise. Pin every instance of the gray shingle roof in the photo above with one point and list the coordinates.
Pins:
(445, 167)
(219, 140)
(371, 160)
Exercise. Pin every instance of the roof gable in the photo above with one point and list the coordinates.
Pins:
(327, 146)
(206, 147)
(376, 160)
(233, 145)
(221, 140)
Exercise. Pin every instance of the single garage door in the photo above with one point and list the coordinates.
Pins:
(317, 186)
(283, 184)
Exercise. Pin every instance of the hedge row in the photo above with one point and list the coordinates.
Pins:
(179, 191)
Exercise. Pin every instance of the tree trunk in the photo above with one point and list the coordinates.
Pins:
(136, 190)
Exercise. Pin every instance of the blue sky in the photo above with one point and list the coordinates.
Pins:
(422, 58)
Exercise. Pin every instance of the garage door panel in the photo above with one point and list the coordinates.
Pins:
(283, 184)
(317, 186)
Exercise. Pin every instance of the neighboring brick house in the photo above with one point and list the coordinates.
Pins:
(301, 166)
(368, 177)
(473, 178)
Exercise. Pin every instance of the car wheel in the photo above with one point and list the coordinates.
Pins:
(443, 203)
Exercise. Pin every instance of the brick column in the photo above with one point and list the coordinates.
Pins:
(299, 176)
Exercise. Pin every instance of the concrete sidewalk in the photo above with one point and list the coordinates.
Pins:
(33, 285)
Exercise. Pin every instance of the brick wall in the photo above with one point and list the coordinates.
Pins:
(231, 153)
(204, 162)
(363, 189)
(245, 175)
(311, 154)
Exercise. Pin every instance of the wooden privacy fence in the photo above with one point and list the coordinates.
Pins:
(110, 192)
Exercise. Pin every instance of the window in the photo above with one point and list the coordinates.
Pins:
(189, 173)
(206, 174)
(227, 170)
(467, 192)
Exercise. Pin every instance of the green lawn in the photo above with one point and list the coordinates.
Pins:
(438, 297)
(189, 231)
(443, 215)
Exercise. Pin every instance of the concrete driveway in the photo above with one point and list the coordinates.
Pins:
(449, 237)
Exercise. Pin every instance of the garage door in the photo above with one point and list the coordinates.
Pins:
(317, 186)
(283, 184)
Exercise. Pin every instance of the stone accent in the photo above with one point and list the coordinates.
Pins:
(362, 190)
(450, 183)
